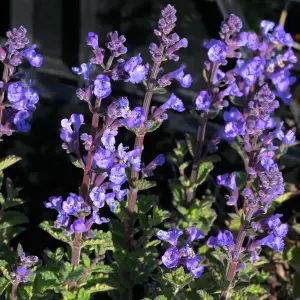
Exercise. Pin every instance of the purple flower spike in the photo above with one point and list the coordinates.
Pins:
(115, 44)
(137, 72)
(170, 236)
(102, 88)
(170, 258)
(78, 226)
(168, 19)
(195, 234)
(17, 38)
(193, 266)
(202, 101)
(227, 180)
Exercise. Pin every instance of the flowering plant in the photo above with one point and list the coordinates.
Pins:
(109, 227)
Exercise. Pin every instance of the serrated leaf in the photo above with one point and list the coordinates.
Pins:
(12, 218)
(100, 283)
(12, 202)
(4, 269)
(158, 216)
(86, 260)
(4, 283)
(143, 184)
(57, 233)
(8, 161)
(145, 203)
(204, 169)
(103, 269)
(204, 295)
(103, 239)
(83, 295)
(255, 289)
(183, 166)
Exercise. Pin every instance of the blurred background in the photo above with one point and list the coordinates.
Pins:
(60, 27)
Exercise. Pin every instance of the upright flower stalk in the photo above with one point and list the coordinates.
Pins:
(258, 136)
(169, 43)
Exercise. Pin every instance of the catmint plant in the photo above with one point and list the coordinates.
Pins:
(113, 228)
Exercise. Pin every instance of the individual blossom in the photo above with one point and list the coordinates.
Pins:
(223, 239)
(102, 87)
(203, 101)
(85, 70)
(158, 161)
(135, 118)
(193, 265)
(108, 139)
(70, 135)
(184, 80)
(78, 225)
(170, 258)
(36, 60)
(136, 71)
(103, 158)
(21, 120)
(194, 234)
(99, 52)
(227, 180)
(117, 174)
(170, 236)
(217, 51)
(87, 141)
(232, 115)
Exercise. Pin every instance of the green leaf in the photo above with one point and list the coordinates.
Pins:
(179, 279)
(191, 143)
(204, 295)
(159, 90)
(103, 269)
(57, 233)
(8, 161)
(86, 260)
(145, 203)
(295, 260)
(204, 169)
(75, 162)
(103, 239)
(283, 198)
(153, 126)
(177, 191)
(255, 289)
(296, 227)
(100, 283)
(4, 269)
(4, 283)
(12, 218)
(143, 184)
(12, 202)
(83, 295)
(158, 216)
(183, 166)
(296, 285)
(11, 192)
(1, 178)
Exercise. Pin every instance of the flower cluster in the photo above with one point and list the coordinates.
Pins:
(21, 98)
(23, 270)
(109, 162)
(184, 256)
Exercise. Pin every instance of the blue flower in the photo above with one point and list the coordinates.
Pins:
(102, 87)
(170, 236)
(170, 258)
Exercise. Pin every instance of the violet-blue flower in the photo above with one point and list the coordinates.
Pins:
(135, 118)
(117, 174)
(36, 60)
(78, 225)
(102, 86)
(232, 115)
(72, 204)
(115, 44)
(194, 234)
(20, 120)
(170, 236)
(97, 196)
(217, 51)
(202, 101)
(193, 265)
(103, 158)
(174, 103)
(227, 180)
(137, 72)
(170, 258)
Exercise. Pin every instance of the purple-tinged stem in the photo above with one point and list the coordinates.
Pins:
(243, 227)
(139, 141)
(190, 194)
(14, 291)
(86, 179)
(4, 79)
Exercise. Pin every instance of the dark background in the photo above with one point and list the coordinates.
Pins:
(60, 28)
